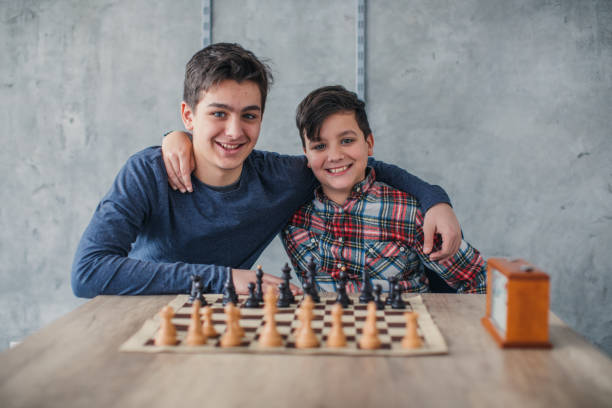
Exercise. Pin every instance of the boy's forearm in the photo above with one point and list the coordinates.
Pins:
(427, 194)
(103, 268)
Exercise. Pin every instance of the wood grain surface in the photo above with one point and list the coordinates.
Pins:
(75, 362)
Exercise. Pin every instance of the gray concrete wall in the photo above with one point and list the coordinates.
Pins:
(506, 104)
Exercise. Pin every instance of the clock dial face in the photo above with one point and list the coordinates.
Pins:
(499, 300)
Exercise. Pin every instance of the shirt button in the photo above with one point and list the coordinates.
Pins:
(313, 240)
(402, 249)
(339, 265)
(341, 239)
(371, 250)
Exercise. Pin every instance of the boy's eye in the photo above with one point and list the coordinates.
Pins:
(319, 146)
(218, 114)
(250, 116)
(347, 140)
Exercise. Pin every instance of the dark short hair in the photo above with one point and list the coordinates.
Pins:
(219, 62)
(324, 102)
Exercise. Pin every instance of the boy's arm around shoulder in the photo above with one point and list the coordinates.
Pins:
(101, 263)
(435, 204)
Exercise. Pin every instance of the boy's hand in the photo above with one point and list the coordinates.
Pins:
(441, 219)
(242, 277)
(177, 152)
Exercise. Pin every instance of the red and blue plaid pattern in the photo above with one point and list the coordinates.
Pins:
(379, 228)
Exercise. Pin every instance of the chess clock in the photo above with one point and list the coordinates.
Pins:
(517, 303)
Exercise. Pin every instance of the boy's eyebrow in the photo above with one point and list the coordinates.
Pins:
(343, 133)
(231, 109)
(346, 132)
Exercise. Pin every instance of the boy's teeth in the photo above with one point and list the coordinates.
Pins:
(228, 146)
(338, 170)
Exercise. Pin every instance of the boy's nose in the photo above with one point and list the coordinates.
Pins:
(335, 154)
(233, 128)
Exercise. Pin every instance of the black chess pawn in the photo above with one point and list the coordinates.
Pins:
(229, 290)
(287, 277)
(391, 295)
(366, 293)
(380, 304)
(197, 290)
(283, 300)
(259, 292)
(251, 301)
(398, 302)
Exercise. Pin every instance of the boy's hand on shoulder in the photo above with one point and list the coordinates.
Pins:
(177, 151)
(441, 219)
(242, 277)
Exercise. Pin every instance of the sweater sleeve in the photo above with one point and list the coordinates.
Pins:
(101, 264)
(428, 195)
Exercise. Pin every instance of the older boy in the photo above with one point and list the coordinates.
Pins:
(356, 221)
(145, 238)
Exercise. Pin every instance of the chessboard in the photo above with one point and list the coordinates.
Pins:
(391, 325)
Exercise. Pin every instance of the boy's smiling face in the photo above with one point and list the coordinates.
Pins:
(340, 157)
(225, 126)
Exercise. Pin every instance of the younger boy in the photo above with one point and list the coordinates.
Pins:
(356, 221)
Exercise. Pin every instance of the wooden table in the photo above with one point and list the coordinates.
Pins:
(75, 362)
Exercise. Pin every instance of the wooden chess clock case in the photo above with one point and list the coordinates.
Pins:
(517, 303)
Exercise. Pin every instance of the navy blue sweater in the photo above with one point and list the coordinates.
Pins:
(145, 238)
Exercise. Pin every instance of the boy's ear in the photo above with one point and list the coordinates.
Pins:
(187, 115)
(307, 161)
(370, 142)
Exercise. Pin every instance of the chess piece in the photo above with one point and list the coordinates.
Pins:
(369, 337)
(251, 301)
(312, 280)
(197, 290)
(307, 303)
(229, 290)
(380, 304)
(167, 332)
(259, 292)
(231, 337)
(366, 293)
(392, 280)
(411, 340)
(306, 337)
(336, 337)
(283, 300)
(195, 334)
(236, 322)
(397, 302)
(343, 297)
(306, 289)
(207, 326)
(287, 277)
(270, 337)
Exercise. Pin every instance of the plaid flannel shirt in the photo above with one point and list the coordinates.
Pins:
(379, 228)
